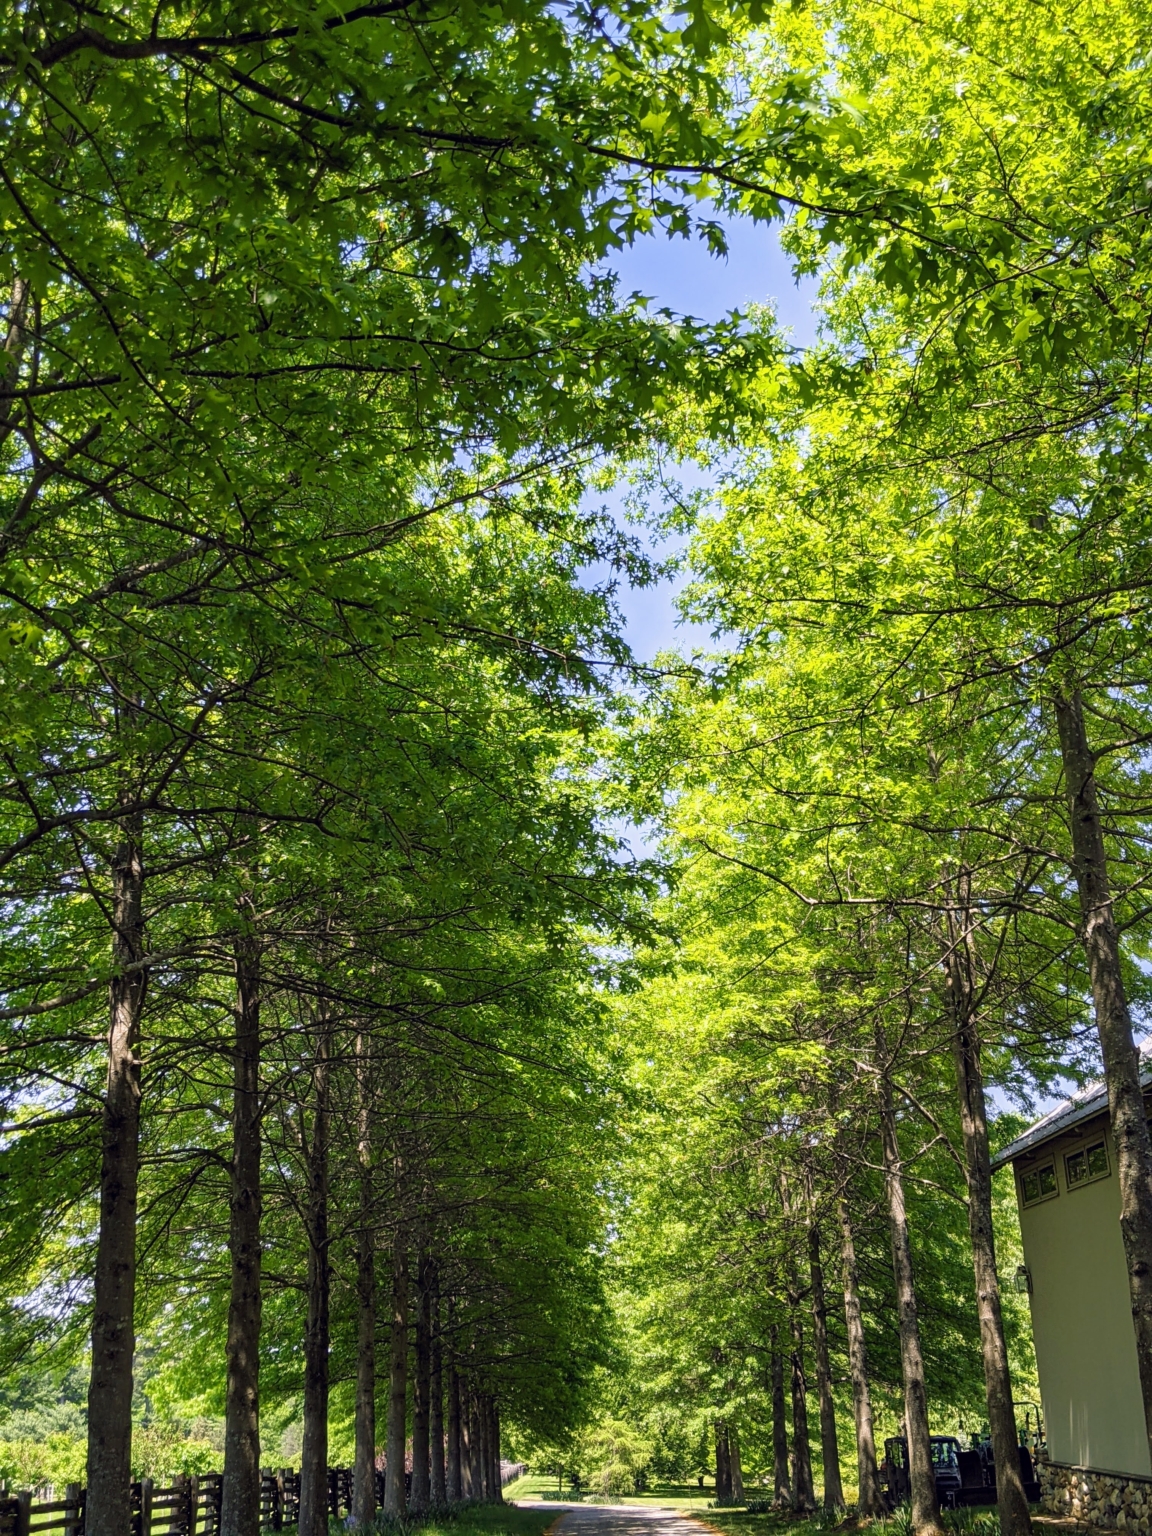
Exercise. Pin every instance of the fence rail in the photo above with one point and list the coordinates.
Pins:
(190, 1507)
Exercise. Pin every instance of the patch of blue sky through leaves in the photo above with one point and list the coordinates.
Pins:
(681, 275)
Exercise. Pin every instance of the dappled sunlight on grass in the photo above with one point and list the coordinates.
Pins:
(490, 1520)
(544, 1485)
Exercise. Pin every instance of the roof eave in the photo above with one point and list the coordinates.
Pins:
(1093, 1100)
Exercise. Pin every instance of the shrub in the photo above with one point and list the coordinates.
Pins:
(615, 1479)
(160, 1450)
(58, 1459)
(613, 1459)
(163, 1449)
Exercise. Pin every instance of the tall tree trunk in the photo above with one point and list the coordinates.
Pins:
(475, 1444)
(364, 1474)
(422, 1390)
(735, 1470)
(925, 1510)
(494, 1448)
(395, 1499)
(781, 1482)
(240, 1494)
(455, 1460)
(870, 1502)
(723, 1465)
(439, 1488)
(961, 986)
(803, 1492)
(108, 1508)
(485, 1427)
(314, 1452)
(469, 1491)
(1114, 1027)
(829, 1449)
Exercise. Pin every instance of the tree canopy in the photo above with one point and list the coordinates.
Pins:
(366, 1099)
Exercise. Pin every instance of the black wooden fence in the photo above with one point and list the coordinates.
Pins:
(190, 1507)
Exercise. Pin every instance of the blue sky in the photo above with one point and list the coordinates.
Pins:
(681, 275)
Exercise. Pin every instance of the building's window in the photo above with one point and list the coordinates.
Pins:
(1087, 1164)
(1039, 1183)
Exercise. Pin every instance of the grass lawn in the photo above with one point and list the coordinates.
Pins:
(543, 1485)
(491, 1520)
(738, 1522)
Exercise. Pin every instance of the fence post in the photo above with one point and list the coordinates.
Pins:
(182, 1512)
(191, 1492)
(214, 1502)
(146, 1487)
(23, 1511)
(278, 1501)
(72, 1512)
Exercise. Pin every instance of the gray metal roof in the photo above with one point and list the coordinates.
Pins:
(1090, 1100)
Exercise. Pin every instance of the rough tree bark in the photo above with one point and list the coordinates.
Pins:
(108, 1508)
(485, 1436)
(803, 1493)
(240, 1494)
(494, 1449)
(314, 1452)
(364, 1472)
(959, 970)
(870, 1501)
(469, 1491)
(395, 1500)
(833, 1487)
(1101, 942)
(436, 1415)
(455, 1461)
(723, 1465)
(735, 1470)
(422, 1390)
(925, 1510)
(781, 1482)
(475, 1445)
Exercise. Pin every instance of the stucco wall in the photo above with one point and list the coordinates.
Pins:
(1081, 1315)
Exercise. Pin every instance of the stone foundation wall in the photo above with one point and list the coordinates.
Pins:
(1095, 1498)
